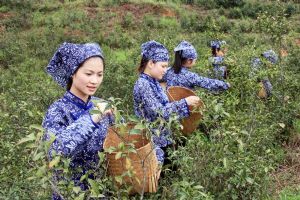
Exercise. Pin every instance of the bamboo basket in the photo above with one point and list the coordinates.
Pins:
(262, 91)
(265, 89)
(176, 93)
(143, 164)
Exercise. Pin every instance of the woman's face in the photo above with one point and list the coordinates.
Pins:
(157, 69)
(88, 78)
(190, 63)
(220, 52)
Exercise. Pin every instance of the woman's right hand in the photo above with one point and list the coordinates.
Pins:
(192, 100)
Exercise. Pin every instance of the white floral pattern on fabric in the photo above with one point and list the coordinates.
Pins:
(150, 103)
(271, 56)
(257, 64)
(188, 50)
(217, 43)
(188, 79)
(219, 70)
(155, 51)
(267, 86)
(68, 58)
(77, 136)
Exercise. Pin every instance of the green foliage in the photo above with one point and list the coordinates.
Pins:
(230, 3)
(245, 26)
(189, 190)
(235, 13)
(238, 144)
(166, 22)
(128, 20)
(290, 10)
(4, 9)
(215, 4)
(42, 170)
(275, 26)
(253, 8)
(289, 194)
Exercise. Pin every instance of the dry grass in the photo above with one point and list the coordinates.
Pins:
(288, 173)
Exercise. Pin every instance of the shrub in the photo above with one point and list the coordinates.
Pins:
(210, 4)
(150, 21)
(235, 13)
(4, 9)
(250, 10)
(224, 24)
(128, 20)
(196, 23)
(290, 10)
(245, 26)
(168, 22)
(230, 3)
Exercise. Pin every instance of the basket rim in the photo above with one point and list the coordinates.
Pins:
(181, 87)
(201, 103)
(147, 140)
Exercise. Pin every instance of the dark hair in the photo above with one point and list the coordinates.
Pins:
(214, 51)
(143, 64)
(70, 82)
(178, 62)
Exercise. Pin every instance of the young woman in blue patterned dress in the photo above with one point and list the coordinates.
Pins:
(180, 75)
(78, 135)
(217, 59)
(150, 102)
(257, 65)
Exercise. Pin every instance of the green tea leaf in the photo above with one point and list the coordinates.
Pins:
(28, 138)
(135, 131)
(118, 155)
(54, 162)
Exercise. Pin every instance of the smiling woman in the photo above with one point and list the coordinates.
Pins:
(78, 134)
(88, 78)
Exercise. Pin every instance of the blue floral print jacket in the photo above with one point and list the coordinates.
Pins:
(218, 67)
(77, 136)
(150, 103)
(188, 79)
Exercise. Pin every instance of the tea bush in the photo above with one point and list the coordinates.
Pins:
(238, 144)
(235, 13)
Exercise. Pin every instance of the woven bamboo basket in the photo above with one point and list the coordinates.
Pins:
(175, 93)
(144, 164)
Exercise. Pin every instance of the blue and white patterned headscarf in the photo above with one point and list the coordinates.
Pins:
(188, 50)
(271, 56)
(256, 63)
(217, 43)
(68, 58)
(155, 51)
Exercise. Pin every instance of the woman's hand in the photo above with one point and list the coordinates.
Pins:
(97, 117)
(229, 86)
(192, 100)
(102, 107)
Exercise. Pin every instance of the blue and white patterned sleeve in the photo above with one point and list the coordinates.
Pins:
(207, 83)
(71, 138)
(155, 108)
